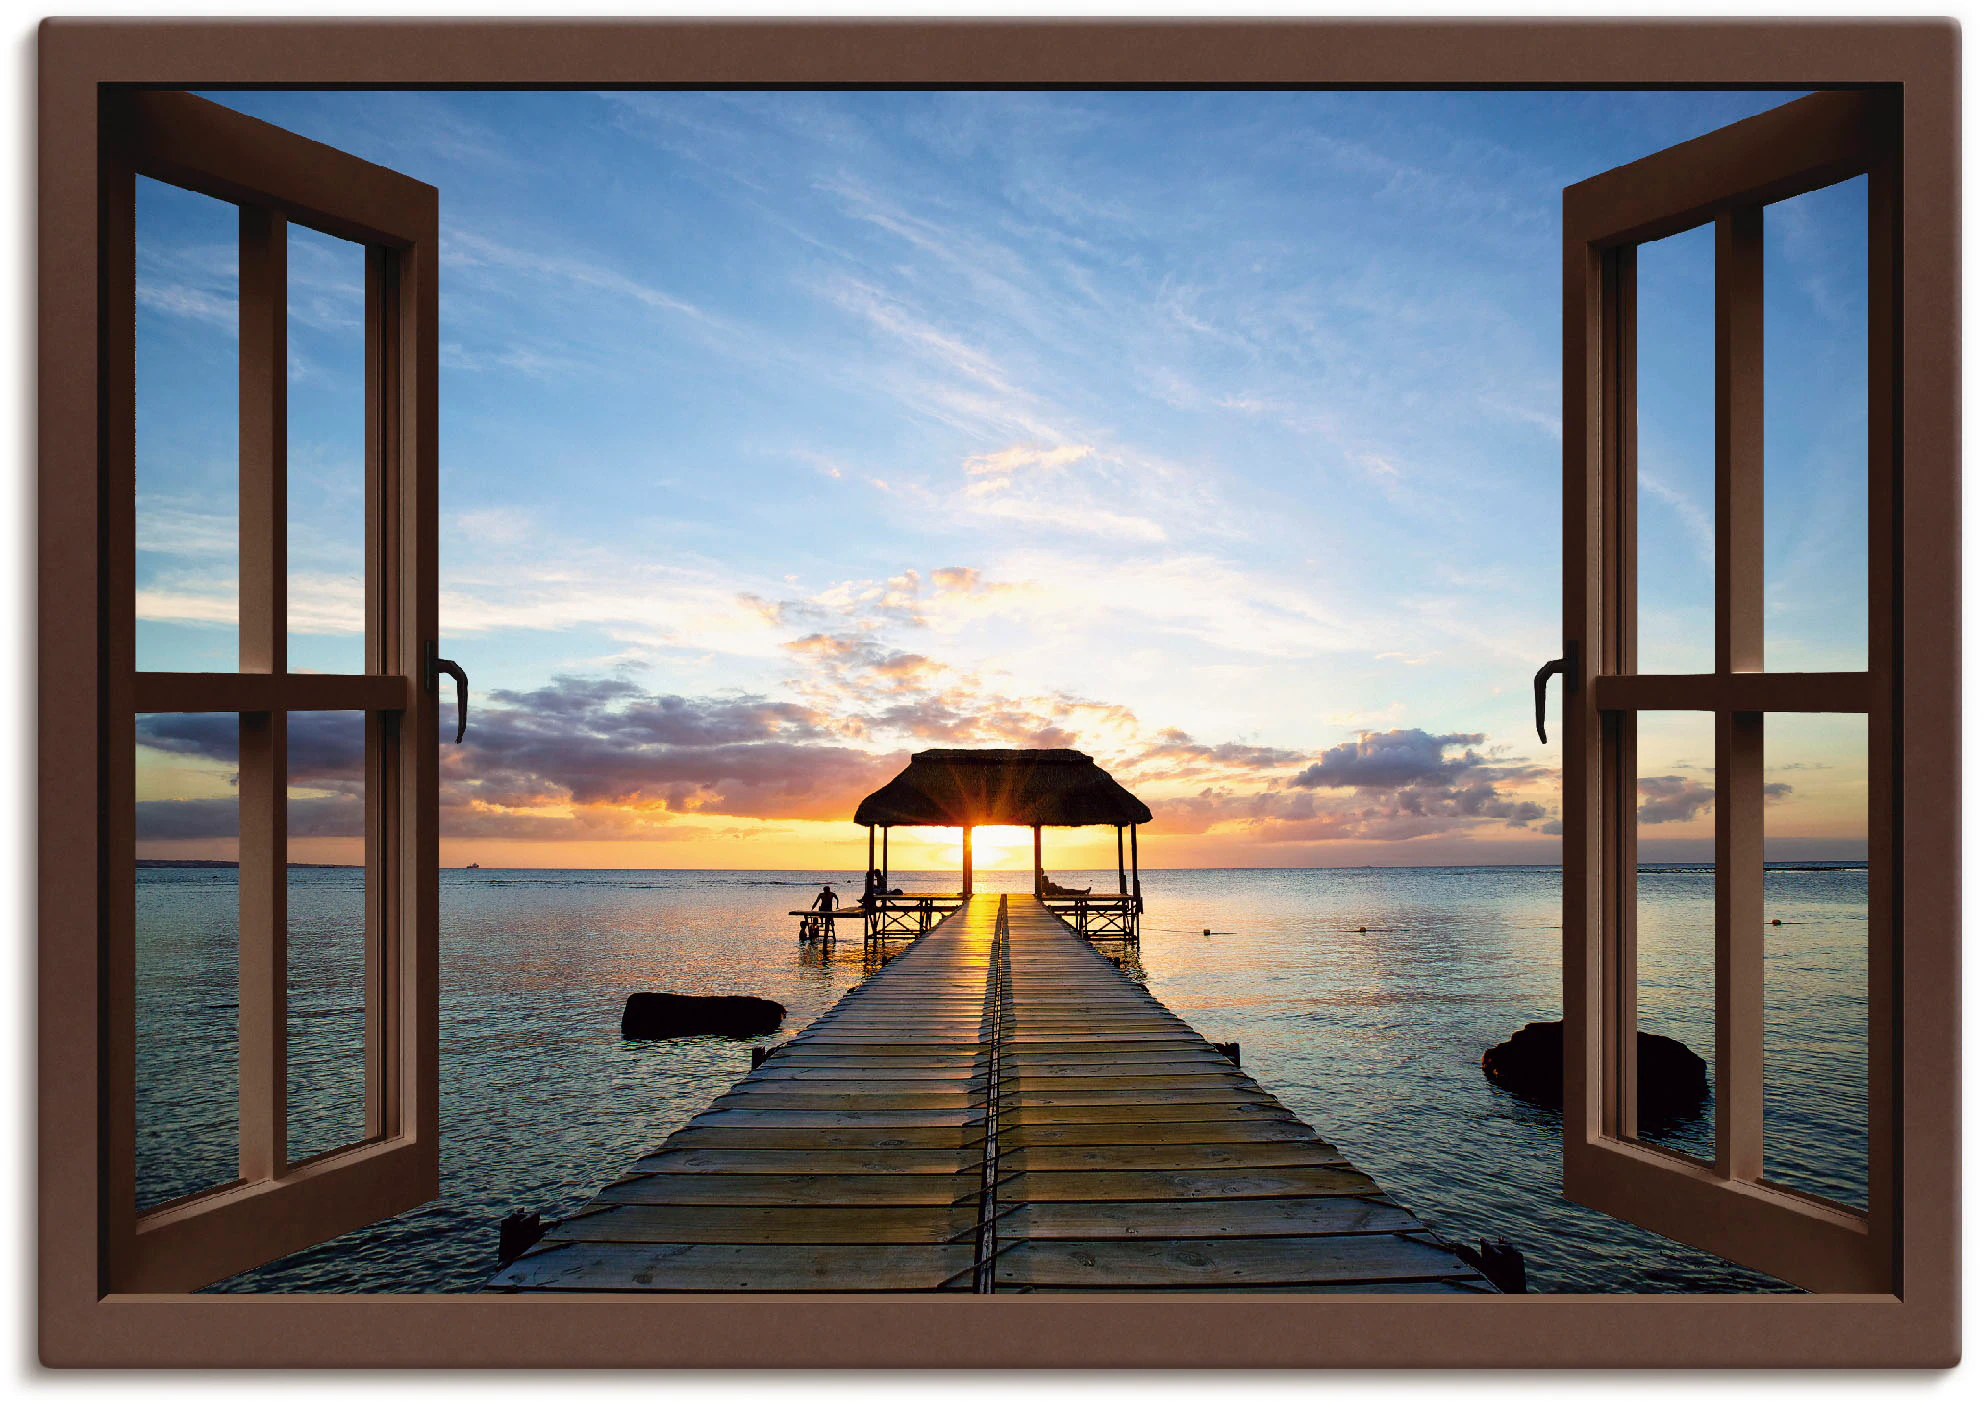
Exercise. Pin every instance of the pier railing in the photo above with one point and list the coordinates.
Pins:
(1106, 916)
(908, 915)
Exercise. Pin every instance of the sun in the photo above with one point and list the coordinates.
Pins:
(1002, 847)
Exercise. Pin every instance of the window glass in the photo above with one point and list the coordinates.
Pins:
(187, 430)
(1815, 954)
(326, 453)
(1676, 452)
(188, 824)
(1675, 911)
(1815, 431)
(326, 931)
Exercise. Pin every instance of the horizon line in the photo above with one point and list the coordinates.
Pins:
(157, 863)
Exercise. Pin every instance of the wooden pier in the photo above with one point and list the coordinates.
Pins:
(998, 1109)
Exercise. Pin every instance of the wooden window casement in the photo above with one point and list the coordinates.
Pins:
(1724, 179)
(108, 1282)
(275, 178)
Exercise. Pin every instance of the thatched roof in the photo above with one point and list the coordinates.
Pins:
(960, 788)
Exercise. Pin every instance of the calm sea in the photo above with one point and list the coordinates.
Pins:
(1362, 998)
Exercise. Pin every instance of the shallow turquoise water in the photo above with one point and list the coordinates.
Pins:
(1375, 1036)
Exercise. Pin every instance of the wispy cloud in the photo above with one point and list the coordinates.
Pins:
(1008, 461)
(1694, 517)
(201, 304)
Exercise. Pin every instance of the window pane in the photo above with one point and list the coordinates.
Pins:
(1676, 452)
(188, 921)
(326, 453)
(1815, 431)
(1676, 915)
(326, 931)
(1815, 954)
(187, 430)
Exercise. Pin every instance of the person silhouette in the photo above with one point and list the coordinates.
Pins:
(825, 900)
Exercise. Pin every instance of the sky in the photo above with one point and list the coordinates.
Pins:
(1214, 434)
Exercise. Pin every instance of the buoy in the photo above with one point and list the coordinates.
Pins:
(1777, 922)
(1207, 931)
(1362, 931)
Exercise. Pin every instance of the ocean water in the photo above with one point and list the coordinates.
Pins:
(1362, 998)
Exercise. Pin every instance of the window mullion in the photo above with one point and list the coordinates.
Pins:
(1739, 441)
(264, 968)
(1739, 647)
(1884, 849)
(1622, 987)
(1739, 944)
(117, 367)
(264, 613)
(382, 419)
(1622, 1007)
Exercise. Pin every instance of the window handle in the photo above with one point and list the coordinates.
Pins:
(1568, 666)
(436, 665)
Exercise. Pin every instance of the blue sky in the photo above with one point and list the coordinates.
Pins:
(1214, 433)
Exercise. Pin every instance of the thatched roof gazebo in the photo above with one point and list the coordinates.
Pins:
(1008, 788)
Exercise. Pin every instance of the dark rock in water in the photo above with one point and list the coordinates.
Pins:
(1673, 1080)
(684, 1015)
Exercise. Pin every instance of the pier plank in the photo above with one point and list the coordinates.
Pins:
(816, 1226)
(1034, 1135)
(618, 1266)
(779, 1135)
(1217, 1110)
(808, 1160)
(815, 1117)
(1307, 1260)
(795, 1189)
(760, 1097)
(1238, 1217)
(1271, 1154)
(1159, 1185)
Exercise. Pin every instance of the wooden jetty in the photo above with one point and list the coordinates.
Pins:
(997, 1109)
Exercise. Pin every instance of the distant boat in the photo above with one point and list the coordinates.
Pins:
(473, 866)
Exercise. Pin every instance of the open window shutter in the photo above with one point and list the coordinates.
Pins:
(278, 1205)
(1724, 178)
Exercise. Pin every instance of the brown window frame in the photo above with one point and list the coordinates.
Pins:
(82, 1323)
(1723, 179)
(276, 1206)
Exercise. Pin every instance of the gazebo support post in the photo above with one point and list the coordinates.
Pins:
(1121, 888)
(869, 893)
(1039, 872)
(967, 863)
(1136, 884)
